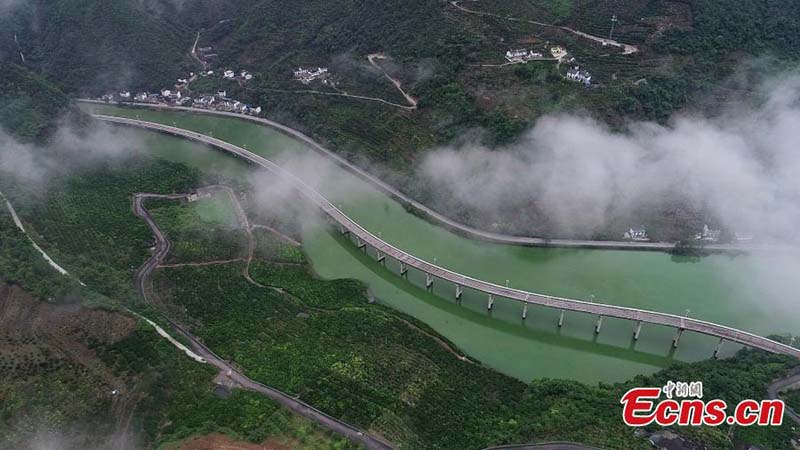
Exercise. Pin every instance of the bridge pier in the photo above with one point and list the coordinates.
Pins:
(344, 231)
(491, 302)
(677, 338)
(561, 319)
(637, 331)
(361, 244)
(403, 270)
(428, 281)
(719, 347)
(459, 291)
(599, 324)
(381, 257)
(525, 311)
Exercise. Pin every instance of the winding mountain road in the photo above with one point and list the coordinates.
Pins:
(143, 283)
(774, 389)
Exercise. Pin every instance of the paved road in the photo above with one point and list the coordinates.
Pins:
(365, 238)
(143, 283)
(438, 217)
(775, 388)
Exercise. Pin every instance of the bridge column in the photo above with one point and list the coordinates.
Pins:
(525, 312)
(403, 270)
(491, 302)
(637, 331)
(719, 347)
(561, 319)
(459, 291)
(598, 325)
(381, 257)
(677, 338)
(428, 281)
(344, 230)
(361, 244)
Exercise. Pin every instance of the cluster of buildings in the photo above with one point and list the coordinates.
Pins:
(242, 75)
(708, 234)
(306, 76)
(522, 55)
(578, 75)
(636, 234)
(219, 101)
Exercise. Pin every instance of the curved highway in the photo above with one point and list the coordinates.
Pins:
(440, 218)
(384, 249)
(143, 283)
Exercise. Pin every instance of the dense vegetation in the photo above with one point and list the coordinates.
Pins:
(792, 399)
(204, 230)
(29, 105)
(320, 340)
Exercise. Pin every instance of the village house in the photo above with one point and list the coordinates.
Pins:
(522, 55)
(558, 52)
(708, 234)
(581, 76)
(222, 94)
(229, 74)
(141, 96)
(126, 95)
(182, 81)
(306, 76)
(637, 234)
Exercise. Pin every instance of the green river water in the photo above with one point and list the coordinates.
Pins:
(752, 292)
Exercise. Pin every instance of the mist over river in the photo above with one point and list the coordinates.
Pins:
(753, 292)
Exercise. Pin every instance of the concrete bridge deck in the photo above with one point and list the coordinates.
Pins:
(365, 238)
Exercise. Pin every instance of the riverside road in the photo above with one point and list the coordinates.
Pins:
(384, 249)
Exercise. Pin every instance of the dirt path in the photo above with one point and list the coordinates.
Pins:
(143, 284)
(627, 49)
(372, 57)
(342, 94)
(289, 240)
(201, 264)
(21, 227)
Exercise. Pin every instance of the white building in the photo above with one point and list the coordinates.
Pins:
(581, 76)
(182, 81)
(125, 95)
(708, 234)
(141, 96)
(522, 55)
(558, 52)
(306, 76)
(637, 234)
(229, 74)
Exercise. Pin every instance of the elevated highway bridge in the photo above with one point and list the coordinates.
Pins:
(433, 272)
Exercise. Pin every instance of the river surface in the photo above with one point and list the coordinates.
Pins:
(751, 292)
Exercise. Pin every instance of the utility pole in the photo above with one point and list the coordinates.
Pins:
(613, 22)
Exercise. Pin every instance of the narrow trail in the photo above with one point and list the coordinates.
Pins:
(289, 240)
(144, 285)
(627, 49)
(342, 94)
(397, 84)
(218, 262)
(21, 227)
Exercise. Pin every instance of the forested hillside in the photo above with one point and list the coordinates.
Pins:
(29, 104)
